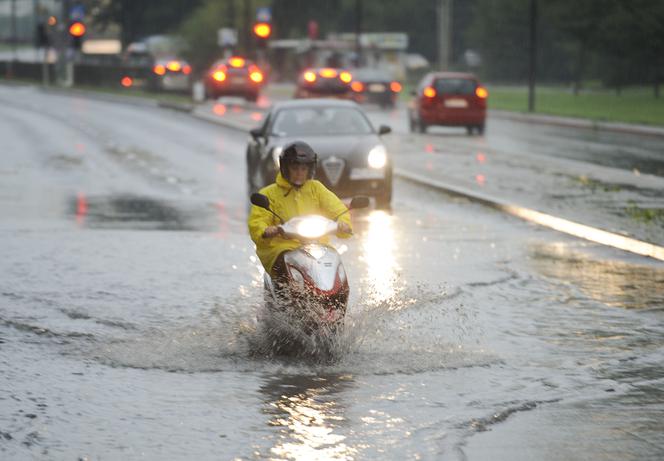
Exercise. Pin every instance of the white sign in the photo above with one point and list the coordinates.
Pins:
(226, 37)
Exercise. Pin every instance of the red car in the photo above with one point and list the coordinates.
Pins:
(449, 99)
(324, 82)
(235, 76)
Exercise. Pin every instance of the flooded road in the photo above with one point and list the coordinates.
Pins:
(130, 288)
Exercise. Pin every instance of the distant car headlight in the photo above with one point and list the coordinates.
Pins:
(276, 152)
(377, 157)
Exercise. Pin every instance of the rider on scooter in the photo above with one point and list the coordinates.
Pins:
(295, 192)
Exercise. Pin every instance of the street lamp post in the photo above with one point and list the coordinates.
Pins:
(532, 56)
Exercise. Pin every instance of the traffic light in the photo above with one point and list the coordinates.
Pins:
(262, 31)
(76, 32)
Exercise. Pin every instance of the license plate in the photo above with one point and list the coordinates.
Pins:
(376, 88)
(237, 80)
(456, 103)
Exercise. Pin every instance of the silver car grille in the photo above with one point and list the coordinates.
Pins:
(333, 168)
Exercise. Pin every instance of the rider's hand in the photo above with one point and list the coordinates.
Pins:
(270, 231)
(344, 228)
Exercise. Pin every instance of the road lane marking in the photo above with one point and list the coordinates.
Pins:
(552, 222)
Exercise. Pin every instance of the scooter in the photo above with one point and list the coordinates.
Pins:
(313, 292)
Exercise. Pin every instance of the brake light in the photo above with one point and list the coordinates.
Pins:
(219, 75)
(346, 77)
(357, 87)
(256, 76)
(481, 92)
(186, 69)
(236, 61)
(310, 76)
(395, 86)
(173, 66)
(328, 73)
(159, 69)
(430, 92)
(126, 81)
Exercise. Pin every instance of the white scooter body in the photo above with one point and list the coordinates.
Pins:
(316, 287)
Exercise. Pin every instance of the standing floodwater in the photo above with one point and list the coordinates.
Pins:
(130, 291)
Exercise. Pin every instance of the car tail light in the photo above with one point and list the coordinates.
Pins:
(346, 77)
(126, 81)
(219, 75)
(357, 87)
(481, 92)
(186, 69)
(310, 76)
(256, 76)
(159, 69)
(328, 73)
(395, 86)
(174, 66)
(236, 61)
(430, 92)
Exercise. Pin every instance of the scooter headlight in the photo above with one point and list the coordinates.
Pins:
(377, 157)
(312, 227)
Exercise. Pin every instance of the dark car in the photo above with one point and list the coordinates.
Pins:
(235, 76)
(449, 99)
(375, 86)
(352, 159)
(324, 82)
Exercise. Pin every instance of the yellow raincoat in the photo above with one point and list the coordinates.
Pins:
(288, 201)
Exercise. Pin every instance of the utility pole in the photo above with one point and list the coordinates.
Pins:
(444, 34)
(532, 56)
(10, 67)
(358, 32)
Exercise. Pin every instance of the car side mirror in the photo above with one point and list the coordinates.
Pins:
(256, 133)
(384, 129)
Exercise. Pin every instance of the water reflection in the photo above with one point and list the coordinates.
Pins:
(308, 413)
(612, 282)
(379, 247)
(133, 212)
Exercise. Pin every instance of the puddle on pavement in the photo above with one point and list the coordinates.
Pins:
(143, 213)
(612, 282)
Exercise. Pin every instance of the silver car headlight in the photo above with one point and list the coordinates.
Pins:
(276, 152)
(377, 157)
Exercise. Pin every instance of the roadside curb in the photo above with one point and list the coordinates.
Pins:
(575, 229)
(595, 125)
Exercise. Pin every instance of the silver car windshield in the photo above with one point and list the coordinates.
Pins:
(320, 121)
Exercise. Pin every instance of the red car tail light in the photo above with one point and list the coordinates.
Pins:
(481, 92)
(219, 75)
(310, 76)
(126, 81)
(395, 87)
(357, 87)
(256, 76)
(186, 70)
(159, 69)
(429, 92)
(346, 77)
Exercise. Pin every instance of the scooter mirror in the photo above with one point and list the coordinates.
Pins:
(359, 202)
(260, 200)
